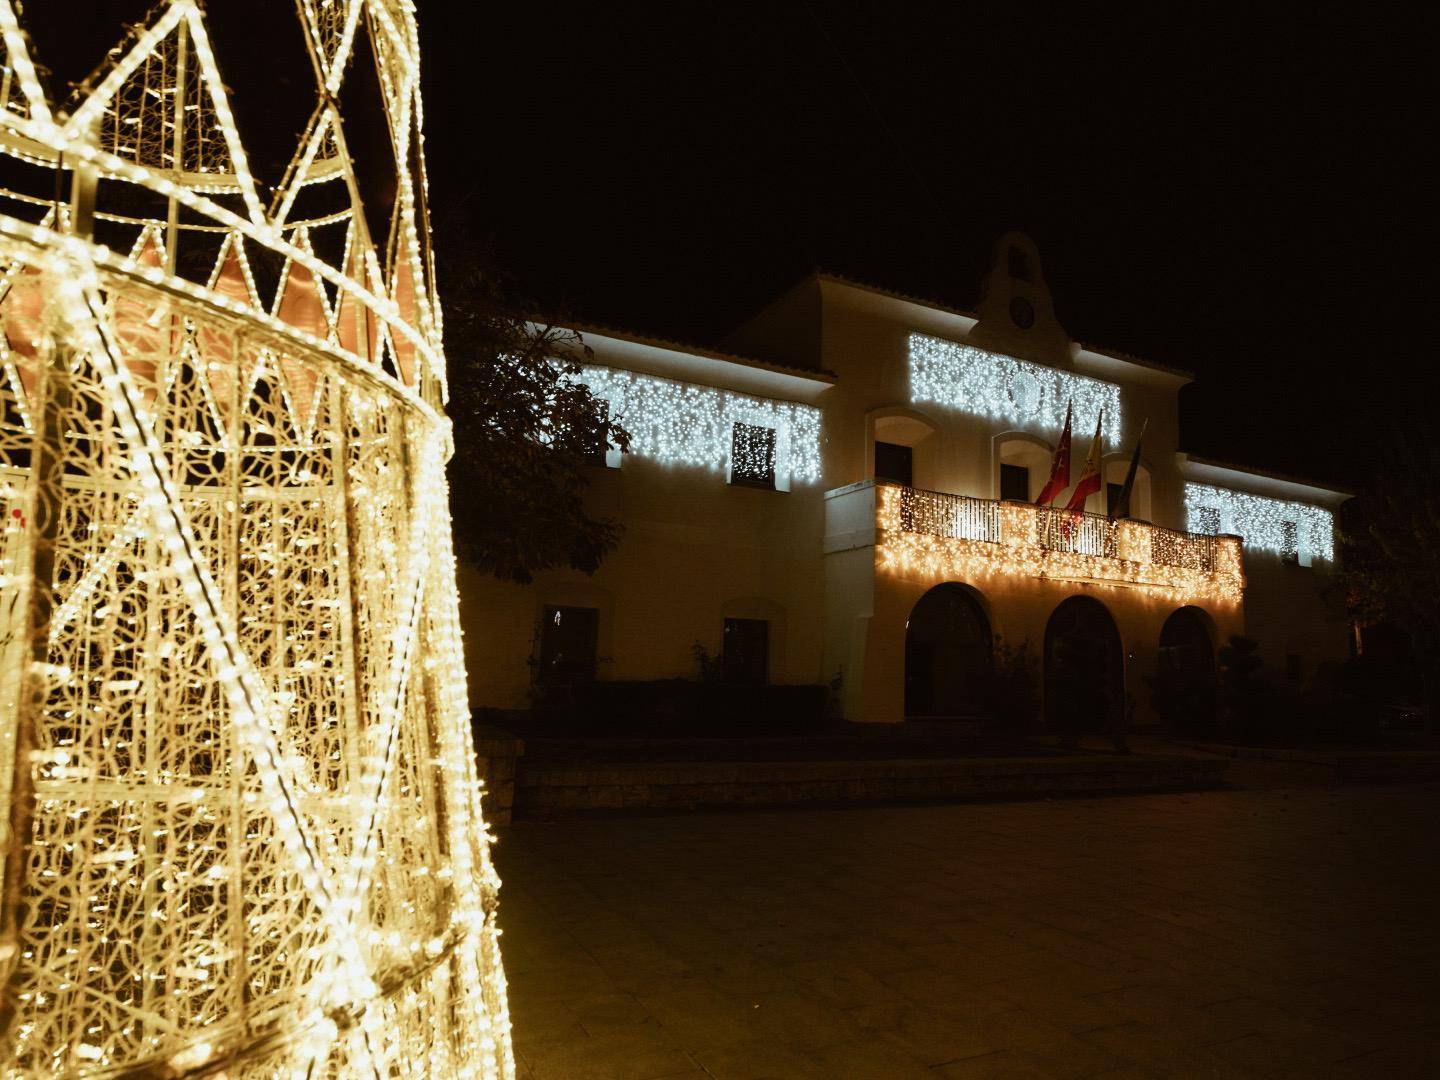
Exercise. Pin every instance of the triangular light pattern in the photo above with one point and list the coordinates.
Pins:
(218, 340)
(142, 328)
(235, 752)
(301, 304)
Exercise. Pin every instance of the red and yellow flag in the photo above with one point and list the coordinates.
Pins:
(1059, 467)
(1089, 482)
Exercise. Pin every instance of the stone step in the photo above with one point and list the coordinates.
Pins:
(561, 789)
(1344, 766)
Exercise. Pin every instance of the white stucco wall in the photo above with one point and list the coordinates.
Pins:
(697, 549)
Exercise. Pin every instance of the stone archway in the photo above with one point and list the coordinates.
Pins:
(948, 654)
(1185, 680)
(1084, 669)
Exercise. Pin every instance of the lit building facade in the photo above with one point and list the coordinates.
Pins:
(857, 509)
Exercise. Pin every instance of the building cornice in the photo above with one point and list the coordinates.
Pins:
(1092, 359)
(695, 364)
(1260, 482)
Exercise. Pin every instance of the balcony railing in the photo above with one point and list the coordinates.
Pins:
(934, 533)
(955, 517)
(1077, 534)
(1192, 551)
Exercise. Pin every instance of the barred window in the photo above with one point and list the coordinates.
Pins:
(752, 456)
(1289, 542)
(746, 655)
(595, 447)
(568, 637)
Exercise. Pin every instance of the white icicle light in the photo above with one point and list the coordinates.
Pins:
(689, 424)
(1031, 396)
(1285, 528)
(233, 717)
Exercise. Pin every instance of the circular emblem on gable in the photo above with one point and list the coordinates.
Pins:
(1025, 392)
(1022, 313)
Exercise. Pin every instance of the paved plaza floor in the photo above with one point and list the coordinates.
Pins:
(1238, 933)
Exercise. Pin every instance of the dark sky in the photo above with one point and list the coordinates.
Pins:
(1232, 194)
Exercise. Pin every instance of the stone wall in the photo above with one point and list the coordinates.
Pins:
(496, 754)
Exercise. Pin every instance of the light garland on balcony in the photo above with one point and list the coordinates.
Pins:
(234, 734)
(1031, 396)
(1017, 552)
(1262, 522)
(689, 424)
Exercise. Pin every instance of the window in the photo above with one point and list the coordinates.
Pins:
(745, 653)
(1015, 482)
(895, 463)
(1208, 520)
(596, 450)
(593, 453)
(568, 636)
(1019, 264)
(752, 456)
(1289, 543)
(1113, 492)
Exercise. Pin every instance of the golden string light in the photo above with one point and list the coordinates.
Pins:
(245, 833)
(945, 537)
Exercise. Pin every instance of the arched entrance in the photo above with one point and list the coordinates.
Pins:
(1084, 669)
(947, 654)
(1185, 684)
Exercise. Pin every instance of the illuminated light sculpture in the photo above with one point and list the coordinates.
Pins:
(243, 834)
(1286, 528)
(934, 536)
(1032, 396)
(689, 424)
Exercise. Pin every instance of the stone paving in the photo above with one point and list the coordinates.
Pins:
(1249, 933)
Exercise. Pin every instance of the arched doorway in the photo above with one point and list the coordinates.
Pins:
(1084, 669)
(1185, 684)
(947, 654)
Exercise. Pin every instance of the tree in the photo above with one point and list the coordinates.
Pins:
(1390, 547)
(1249, 705)
(527, 434)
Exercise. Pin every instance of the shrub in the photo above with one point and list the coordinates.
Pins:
(1012, 691)
(1185, 700)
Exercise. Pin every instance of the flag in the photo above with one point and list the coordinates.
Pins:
(1059, 467)
(1121, 509)
(1089, 481)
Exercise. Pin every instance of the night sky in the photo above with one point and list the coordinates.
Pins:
(1234, 196)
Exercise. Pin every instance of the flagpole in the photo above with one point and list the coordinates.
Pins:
(1123, 502)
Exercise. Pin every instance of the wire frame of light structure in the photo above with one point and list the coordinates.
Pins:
(1032, 396)
(1276, 525)
(689, 424)
(244, 832)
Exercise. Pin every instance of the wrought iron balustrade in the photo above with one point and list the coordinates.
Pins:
(933, 533)
(962, 517)
(952, 517)
(1190, 551)
(1075, 533)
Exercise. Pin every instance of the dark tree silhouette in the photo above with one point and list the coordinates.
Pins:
(1390, 547)
(527, 435)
